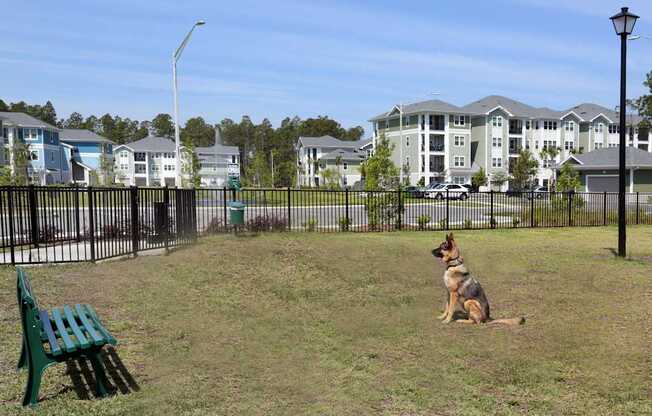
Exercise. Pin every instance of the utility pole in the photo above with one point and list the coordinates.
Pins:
(271, 153)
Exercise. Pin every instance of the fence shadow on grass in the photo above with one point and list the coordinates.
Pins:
(83, 378)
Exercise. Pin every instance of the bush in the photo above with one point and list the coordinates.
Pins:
(259, 223)
(443, 224)
(310, 225)
(383, 209)
(112, 231)
(515, 221)
(423, 220)
(48, 233)
(467, 223)
(345, 223)
(215, 225)
(278, 224)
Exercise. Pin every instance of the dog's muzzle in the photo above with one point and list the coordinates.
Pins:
(437, 252)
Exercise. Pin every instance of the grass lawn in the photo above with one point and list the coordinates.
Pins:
(344, 324)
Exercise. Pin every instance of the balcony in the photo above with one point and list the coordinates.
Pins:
(515, 127)
(436, 143)
(515, 150)
(436, 164)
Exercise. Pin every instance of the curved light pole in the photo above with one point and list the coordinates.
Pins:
(177, 140)
(624, 25)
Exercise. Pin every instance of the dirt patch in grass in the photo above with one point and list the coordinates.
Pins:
(344, 324)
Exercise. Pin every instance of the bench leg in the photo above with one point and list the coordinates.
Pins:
(100, 376)
(33, 386)
(22, 361)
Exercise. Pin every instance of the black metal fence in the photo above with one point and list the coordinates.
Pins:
(57, 224)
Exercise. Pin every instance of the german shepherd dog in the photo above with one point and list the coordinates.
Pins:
(463, 289)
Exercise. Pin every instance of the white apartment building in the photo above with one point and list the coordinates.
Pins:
(435, 138)
(315, 155)
(490, 132)
(152, 162)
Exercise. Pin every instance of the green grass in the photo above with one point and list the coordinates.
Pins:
(293, 324)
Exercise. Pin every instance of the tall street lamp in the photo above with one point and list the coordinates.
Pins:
(624, 25)
(177, 140)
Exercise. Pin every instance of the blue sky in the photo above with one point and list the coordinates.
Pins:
(349, 60)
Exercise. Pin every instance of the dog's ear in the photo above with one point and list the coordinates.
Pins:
(449, 237)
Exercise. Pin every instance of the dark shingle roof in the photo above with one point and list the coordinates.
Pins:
(435, 106)
(589, 111)
(346, 155)
(82, 135)
(23, 119)
(330, 141)
(516, 108)
(609, 158)
(152, 144)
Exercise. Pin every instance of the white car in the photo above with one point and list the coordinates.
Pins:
(442, 190)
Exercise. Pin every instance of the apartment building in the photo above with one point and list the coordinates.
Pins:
(490, 132)
(87, 152)
(316, 155)
(46, 163)
(436, 140)
(152, 162)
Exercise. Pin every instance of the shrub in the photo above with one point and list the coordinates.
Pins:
(383, 209)
(467, 223)
(493, 223)
(215, 225)
(111, 231)
(48, 233)
(345, 223)
(443, 224)
(310, 225)
(259, 223)
(515, 221)
(278, 224)
(423, 220)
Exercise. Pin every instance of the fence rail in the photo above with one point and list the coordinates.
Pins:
(57, 224)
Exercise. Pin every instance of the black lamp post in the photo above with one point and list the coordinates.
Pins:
(624, 25)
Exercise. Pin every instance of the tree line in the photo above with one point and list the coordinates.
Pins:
(267, 153)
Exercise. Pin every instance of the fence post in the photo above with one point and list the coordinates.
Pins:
(91, 221)
(491, 203)
(604, 208)
(10, 205)
(224, 197)
(135, 226)
(570, 208)
(33, 217)
(637, 208)
(346, 204)
(77, 213)
(399, 224)
(448, 219)
(531, 209)
(166, 201)
(289, 209)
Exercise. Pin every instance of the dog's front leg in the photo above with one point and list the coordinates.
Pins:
(443, 314)
(452, 301)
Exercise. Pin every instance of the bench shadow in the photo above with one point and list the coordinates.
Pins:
(83, 379)
(612, 250)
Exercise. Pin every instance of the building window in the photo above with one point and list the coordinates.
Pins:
(547, 163)
(139, 156)
(598, 128)
(124, 154)
(124, 167)
(459, 180)
(569, 125)
(497, 121)
(233, 160)
(497, 162)
(614, 128)
(345, 166)
(407, 141)
(33, 155)
(140, 168)
(51, 156)
(30, 134)
(458, 161)
(527, 124)
(459, 120)
(436, 122)
(155, 168)
(497, 142)
(569, 145)
(423, 163)
(423, 142)
(458, 141)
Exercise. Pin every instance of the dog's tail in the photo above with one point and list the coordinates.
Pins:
(508, 321)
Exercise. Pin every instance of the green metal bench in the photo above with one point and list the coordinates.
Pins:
(57, 336)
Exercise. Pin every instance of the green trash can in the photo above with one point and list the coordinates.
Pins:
(236, 209)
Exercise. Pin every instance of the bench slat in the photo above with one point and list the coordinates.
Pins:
(68, 344)
(72, 323)
(93, 315)
(49, 332)
(88, 326)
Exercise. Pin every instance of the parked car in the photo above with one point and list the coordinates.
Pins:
(452, 190)
(538, 192)
(414, 191)
(469, 187)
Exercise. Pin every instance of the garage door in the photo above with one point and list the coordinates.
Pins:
(602, 183)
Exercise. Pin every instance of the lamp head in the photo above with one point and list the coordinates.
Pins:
(200, 23)
(624, 21)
